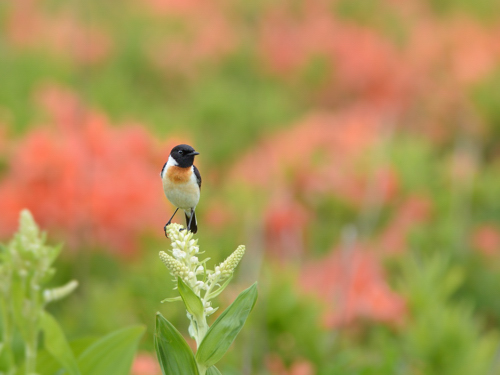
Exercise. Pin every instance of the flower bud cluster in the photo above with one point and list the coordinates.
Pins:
(185, 251)
(229, 265)
(185, 263)
(226, 268)
(176, 268)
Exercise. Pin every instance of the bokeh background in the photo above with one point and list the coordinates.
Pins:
(352, 145)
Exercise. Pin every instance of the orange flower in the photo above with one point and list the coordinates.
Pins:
(486, 239)
(3, 138)
(145, 364)
(173, 7)
(285, 222)
(85, 180)
(207, 41)
(358, 60)
(354, 287)
(474, 50)
(62, 34)
(218, 215)
(276, 366)
(206, 35)
(321, 155)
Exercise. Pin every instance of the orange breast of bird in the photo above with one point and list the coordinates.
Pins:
(178, 175)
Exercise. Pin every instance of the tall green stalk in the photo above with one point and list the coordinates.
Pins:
(25, 265)
(197, 285)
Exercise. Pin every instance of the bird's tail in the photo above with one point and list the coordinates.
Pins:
(194, 225)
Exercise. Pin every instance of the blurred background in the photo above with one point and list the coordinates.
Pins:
(351, 145)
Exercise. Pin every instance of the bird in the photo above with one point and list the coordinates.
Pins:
(182, 183)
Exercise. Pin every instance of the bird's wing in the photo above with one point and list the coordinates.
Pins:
(198, 176)
(161, 173)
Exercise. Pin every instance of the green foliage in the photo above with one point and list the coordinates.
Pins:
(24, 269)
(225, 329)
(443, 336)
(112, 354)
(486, 97)
(375, 14)
(213, 371)
(173, 352)
(47, 364)
(193, 303)
(56, 344)
(250, 99)
(482, 9)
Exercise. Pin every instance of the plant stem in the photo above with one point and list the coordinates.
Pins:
(33, 312)
(202, 328)
(30, 346)
(207, 293)
(7, 337)
(30, 359)
(202, 370)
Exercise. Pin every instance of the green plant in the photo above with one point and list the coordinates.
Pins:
(197, 286)
(25, 267)
(444, 336)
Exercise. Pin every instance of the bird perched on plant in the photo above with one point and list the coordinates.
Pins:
(182, 183)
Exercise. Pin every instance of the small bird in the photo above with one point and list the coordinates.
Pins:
(182, 183)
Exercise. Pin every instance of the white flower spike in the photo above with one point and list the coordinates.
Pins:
(185, 264)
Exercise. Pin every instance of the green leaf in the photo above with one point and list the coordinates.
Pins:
(112, 354)
(56, 344)
(191, 300)
(221, 288)
(46, 363)
(213, 371)
(225, 329)
(173, 352)
(78, 346)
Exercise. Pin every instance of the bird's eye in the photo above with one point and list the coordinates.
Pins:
(181, 152)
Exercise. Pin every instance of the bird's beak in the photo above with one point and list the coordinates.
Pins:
(193, 153)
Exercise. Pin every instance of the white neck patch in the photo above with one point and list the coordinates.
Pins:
(171, 162)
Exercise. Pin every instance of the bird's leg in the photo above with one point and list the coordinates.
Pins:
(169, 221)
(190, 219)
